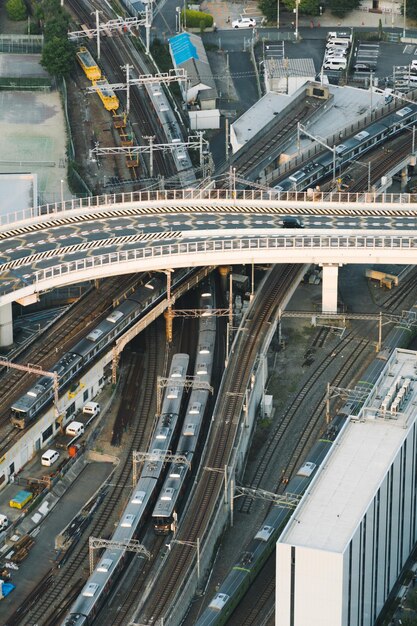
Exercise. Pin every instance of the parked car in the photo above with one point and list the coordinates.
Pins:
(362, 67)
(244, 22)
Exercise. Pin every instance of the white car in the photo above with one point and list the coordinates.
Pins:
(244, 22)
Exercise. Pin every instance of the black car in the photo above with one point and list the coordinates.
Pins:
(292, 222)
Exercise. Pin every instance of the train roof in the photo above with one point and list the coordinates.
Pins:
(31, 397)
(106, 326)
(403, 116)
(362, 137)
(305, 172)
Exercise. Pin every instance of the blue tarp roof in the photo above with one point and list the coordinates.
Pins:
(182, 49)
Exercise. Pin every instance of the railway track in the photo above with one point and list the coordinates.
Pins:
(382, 161)
(52, 597)
(245, 163)
(400, 294)
(314, 412)
(54, 342)
(225, 425)
(133, 580)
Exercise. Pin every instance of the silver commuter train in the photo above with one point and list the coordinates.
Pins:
(29, 405)
(350, 150)
(172, 131)
(165, 512)
(93, 593)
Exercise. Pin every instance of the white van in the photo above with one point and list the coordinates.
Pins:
(76, 429)
(335, 64)
(4, 522)
(91, 408)
(49, 457)
(338, 43)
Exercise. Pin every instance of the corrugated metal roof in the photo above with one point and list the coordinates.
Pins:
(182, 48)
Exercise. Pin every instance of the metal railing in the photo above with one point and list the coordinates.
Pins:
(284, 242)
(214, 200)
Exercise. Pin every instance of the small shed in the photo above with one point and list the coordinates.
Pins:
(288, 75)
(188, 52)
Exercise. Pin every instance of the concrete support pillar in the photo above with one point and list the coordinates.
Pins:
(404, 178)
(6, 325)
(329, 293)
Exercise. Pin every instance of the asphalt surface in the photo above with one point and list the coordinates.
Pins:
(70, 242)
(42, 556)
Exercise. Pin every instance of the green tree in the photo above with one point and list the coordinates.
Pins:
(305, 7)
(411, 10)
(56, 27)
(16, 10)
(340, 8)
(58, 56)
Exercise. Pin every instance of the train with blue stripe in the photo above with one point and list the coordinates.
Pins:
(350, 150)
(254, 555)
(28, 407)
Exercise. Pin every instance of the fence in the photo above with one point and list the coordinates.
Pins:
(21, 44)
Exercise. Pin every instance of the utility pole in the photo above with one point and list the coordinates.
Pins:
(98, 33)
(151, 138)
(127, 69)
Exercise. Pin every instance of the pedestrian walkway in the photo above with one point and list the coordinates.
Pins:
(225, 12)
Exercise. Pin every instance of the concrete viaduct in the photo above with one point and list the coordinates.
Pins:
(80, 240)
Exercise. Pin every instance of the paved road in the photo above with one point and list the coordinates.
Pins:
(42, 556)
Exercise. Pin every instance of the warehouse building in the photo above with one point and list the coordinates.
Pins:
(349, 539)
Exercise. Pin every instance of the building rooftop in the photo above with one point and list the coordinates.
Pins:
(283, 68)
(188, 52)
(344, 486)
(347, 106)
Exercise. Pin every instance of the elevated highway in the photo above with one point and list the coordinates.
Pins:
(62, 244)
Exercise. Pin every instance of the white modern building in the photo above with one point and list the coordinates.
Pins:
(347, 542)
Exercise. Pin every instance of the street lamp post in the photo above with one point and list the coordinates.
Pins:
(62, 191)
(297, 2)
(277, 13)
(405, 17)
